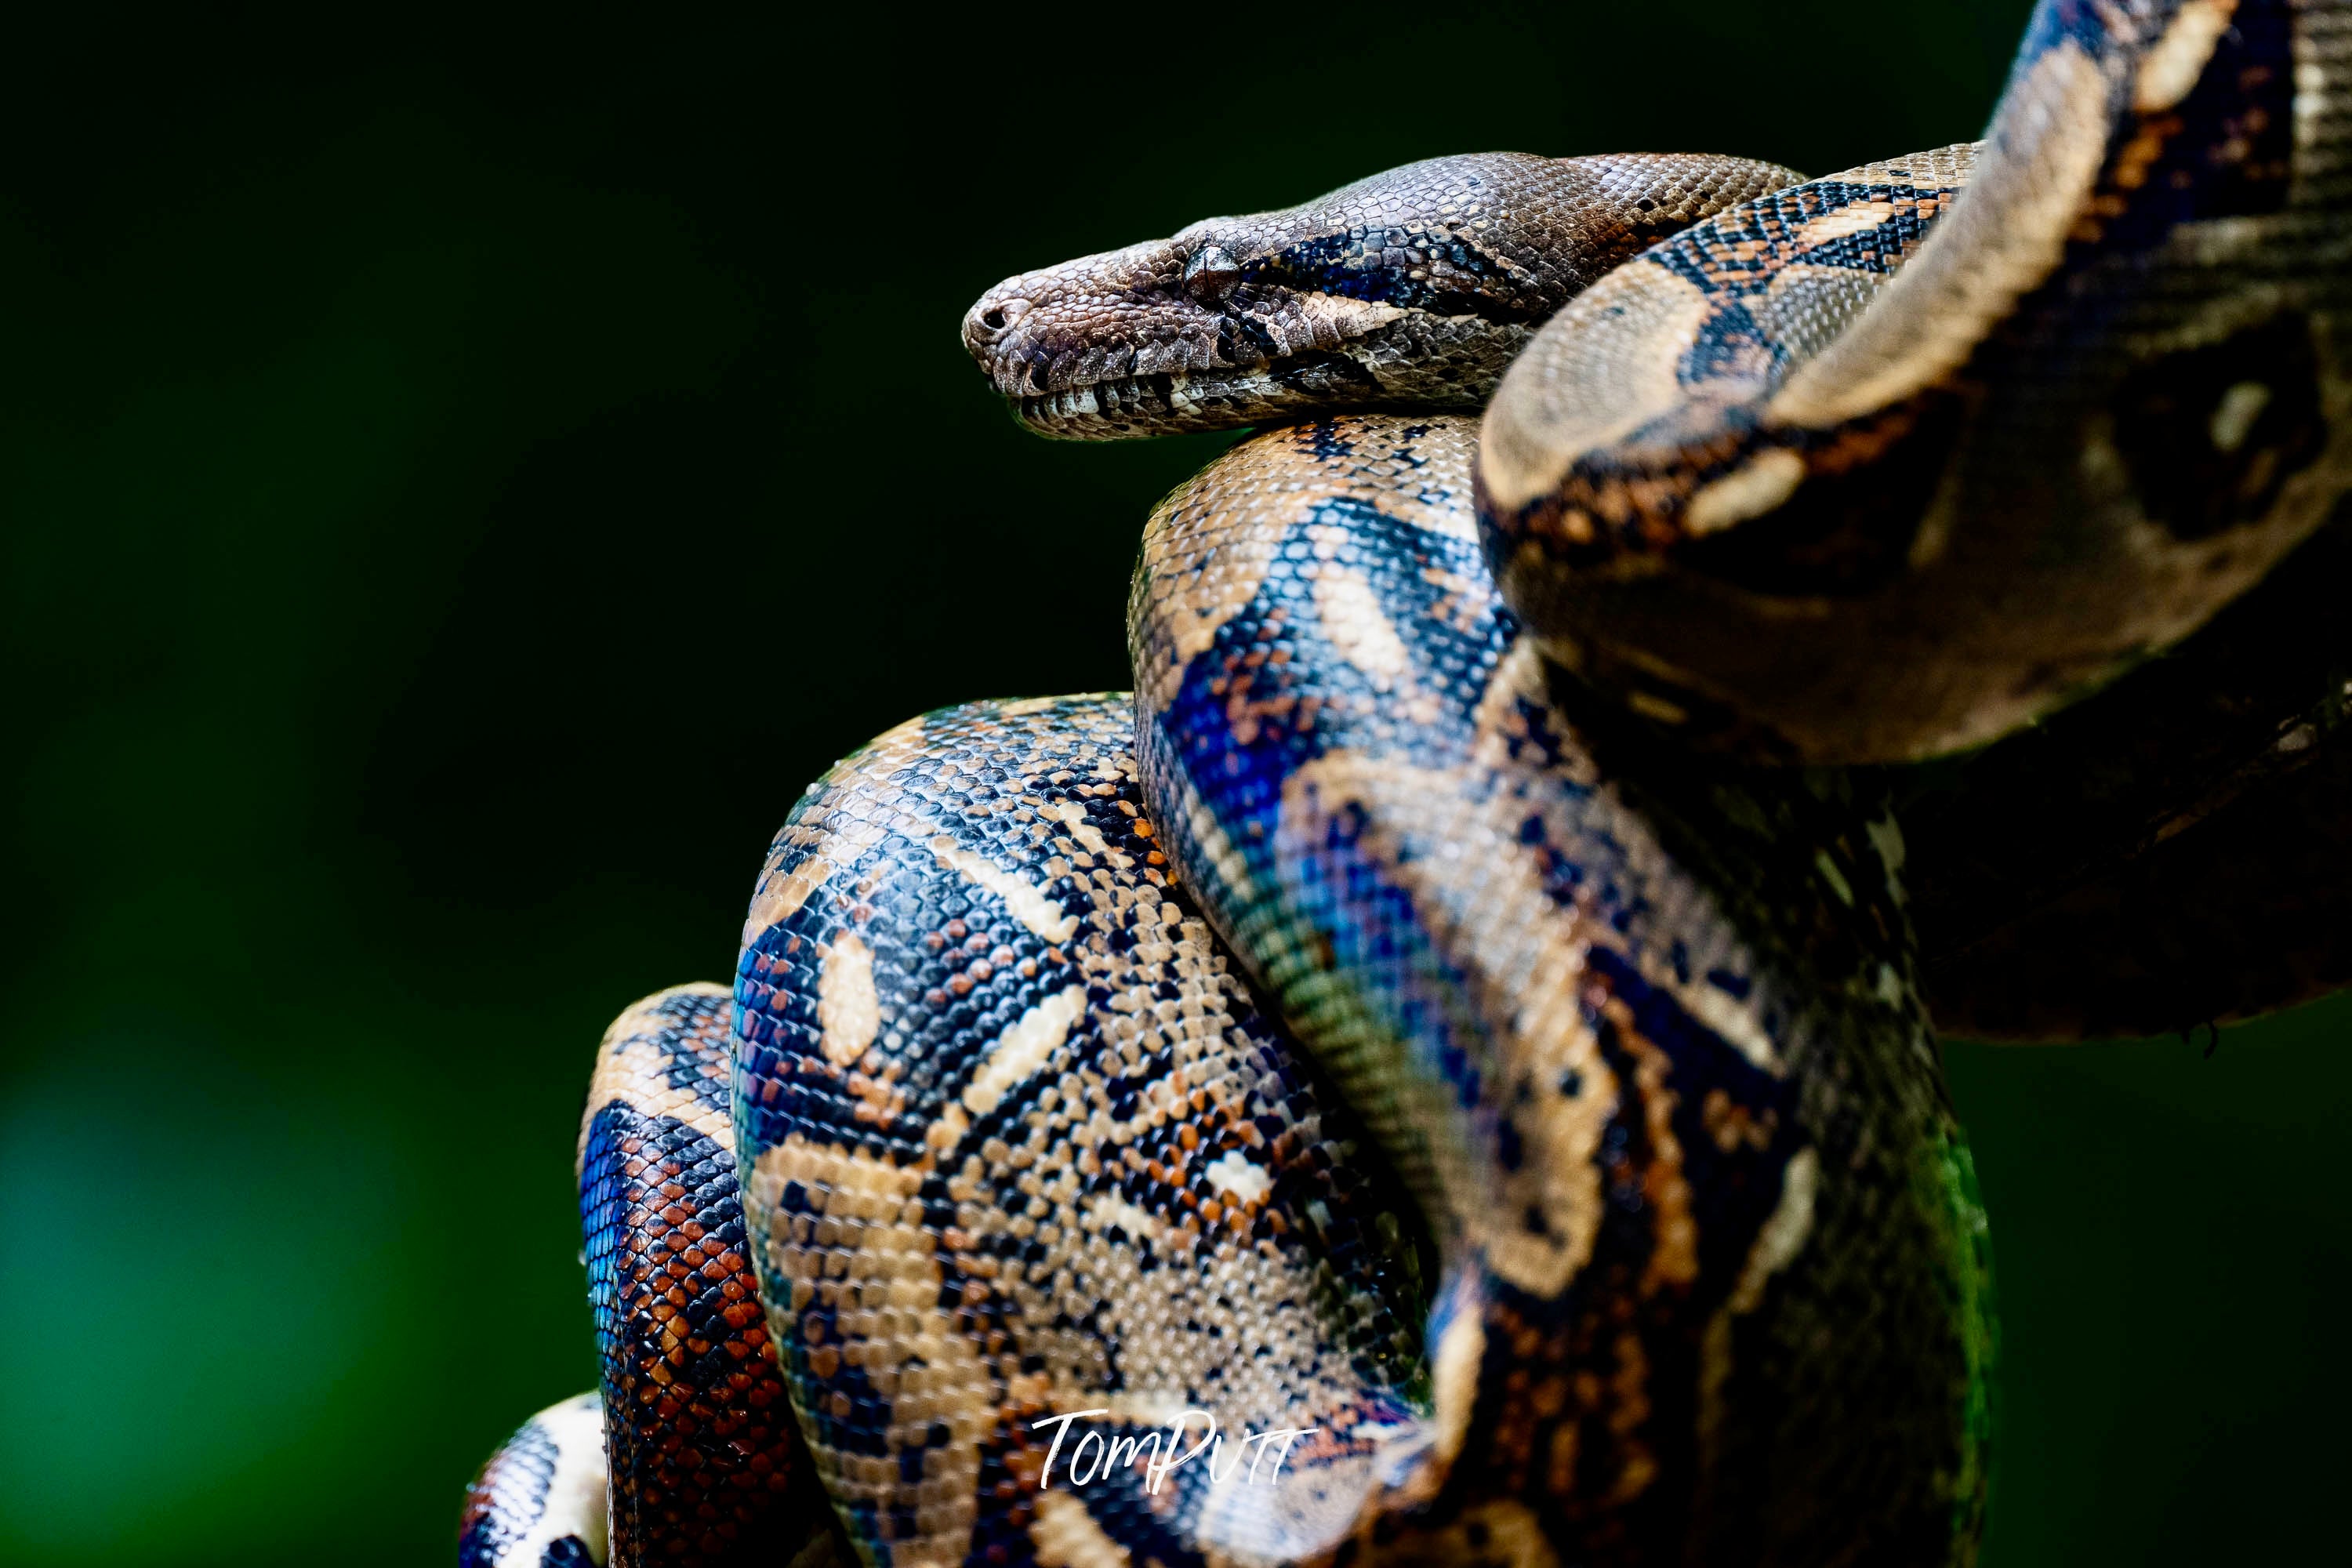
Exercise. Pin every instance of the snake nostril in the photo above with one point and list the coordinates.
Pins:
(991, 323)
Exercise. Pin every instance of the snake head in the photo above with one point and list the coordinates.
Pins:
(1413, 288)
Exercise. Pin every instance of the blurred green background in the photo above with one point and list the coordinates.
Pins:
(460, 480)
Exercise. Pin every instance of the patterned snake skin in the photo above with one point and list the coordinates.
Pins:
(1865, 518)
(1446, 1071)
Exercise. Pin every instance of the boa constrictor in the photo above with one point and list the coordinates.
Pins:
(1458, 1028)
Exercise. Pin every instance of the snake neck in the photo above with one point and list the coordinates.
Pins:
(1413, 288)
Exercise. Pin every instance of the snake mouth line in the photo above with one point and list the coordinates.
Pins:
(1132, 404)
(1221, 400)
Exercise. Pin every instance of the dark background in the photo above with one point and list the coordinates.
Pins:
(460, 482)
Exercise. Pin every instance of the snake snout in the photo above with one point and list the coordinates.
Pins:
(991, 317)
(1045, 331)
(985, 326)
(1016, 332)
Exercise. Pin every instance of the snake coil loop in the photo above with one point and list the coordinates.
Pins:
(1440, 1072)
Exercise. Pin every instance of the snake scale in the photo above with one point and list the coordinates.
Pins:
(1446, 1070)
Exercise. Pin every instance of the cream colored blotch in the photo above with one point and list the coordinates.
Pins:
(1353, 620)
(1027, 901)
(1753, 488)
(846, 1008)
(781, 894)
(2170, 70)
(576, 1502)
(1066, 1536)
(1023, 1048)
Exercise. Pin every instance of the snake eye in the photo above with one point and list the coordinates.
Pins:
(1210, 275)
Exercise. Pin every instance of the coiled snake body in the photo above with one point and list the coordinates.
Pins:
(1462, 1013)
